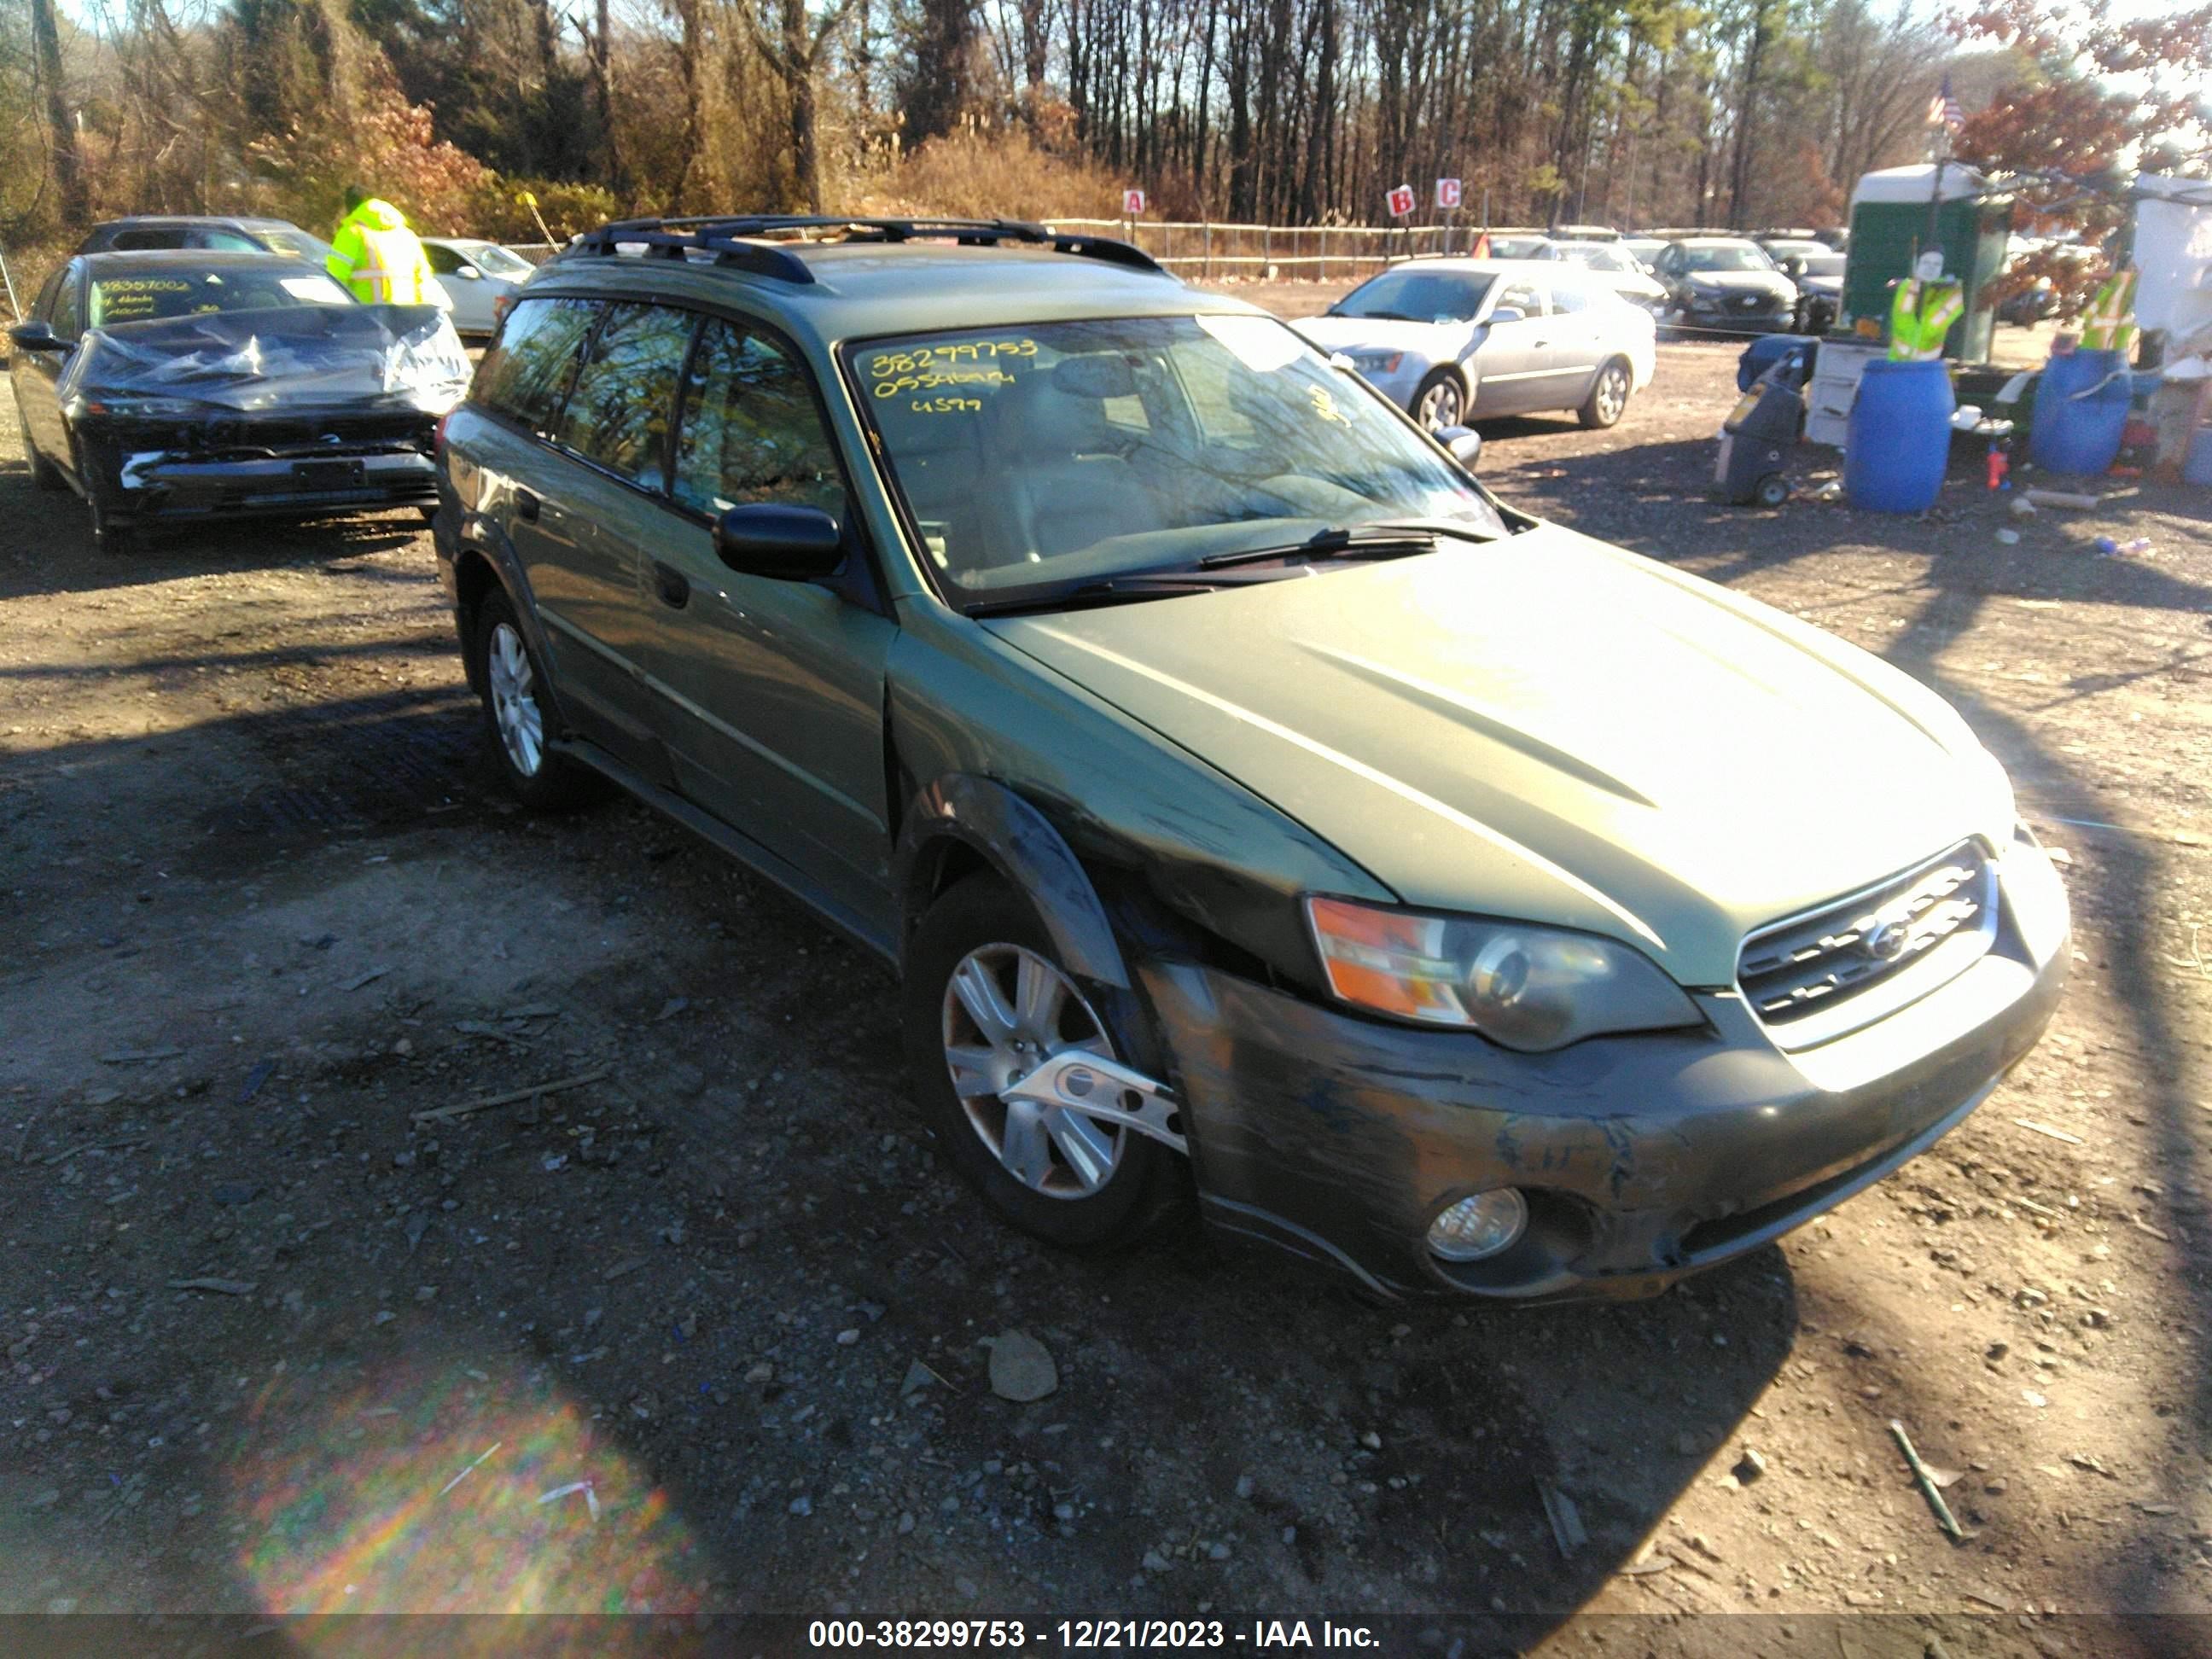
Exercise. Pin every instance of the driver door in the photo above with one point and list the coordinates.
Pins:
(1512, 365)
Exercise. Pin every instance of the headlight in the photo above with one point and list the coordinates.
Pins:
(1377, 363)
(1531, 989)
(139, 409)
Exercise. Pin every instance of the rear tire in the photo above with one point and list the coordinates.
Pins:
(1115, 1184)
(513, 681)
(1609, 395)
(1772, 490)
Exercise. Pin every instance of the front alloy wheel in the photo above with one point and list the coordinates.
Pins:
(1006, 1010)
(1440, 402)
(985, 1004)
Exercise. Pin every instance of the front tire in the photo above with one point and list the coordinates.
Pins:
(985, 1000)
(45, 475)
(1609, 396)
(1440, 400)
(513, 681)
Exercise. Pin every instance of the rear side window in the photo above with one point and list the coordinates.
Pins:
(619, 413)
(750, 431)
(525, 376)
(158, 237)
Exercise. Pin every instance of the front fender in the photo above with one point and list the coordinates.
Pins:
(1017, 841)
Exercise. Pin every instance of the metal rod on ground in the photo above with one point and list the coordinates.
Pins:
(1926, 1477)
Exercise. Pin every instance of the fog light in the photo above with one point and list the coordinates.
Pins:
(1480, 1226)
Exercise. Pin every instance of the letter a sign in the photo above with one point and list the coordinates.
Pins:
(1401, 201)
(1447, 193)
(1132, 203)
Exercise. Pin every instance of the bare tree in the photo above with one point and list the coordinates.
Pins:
(794, 52)
(61, 129)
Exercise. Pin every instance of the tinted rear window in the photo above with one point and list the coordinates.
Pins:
(625, 397)
(525, 376)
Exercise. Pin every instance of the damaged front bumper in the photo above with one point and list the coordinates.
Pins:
(1642, 1158)
(143, 484)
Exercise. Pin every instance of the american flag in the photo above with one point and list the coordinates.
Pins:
(1943, 109)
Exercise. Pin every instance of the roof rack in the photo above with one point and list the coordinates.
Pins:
(748, 241)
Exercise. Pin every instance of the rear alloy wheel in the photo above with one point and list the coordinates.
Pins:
(1440, 401)
(508, 673)
(984, 1005)
(1609, 396)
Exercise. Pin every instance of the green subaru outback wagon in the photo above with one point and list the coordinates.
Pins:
(1255, 808)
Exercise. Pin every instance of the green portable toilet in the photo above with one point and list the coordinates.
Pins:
(1889, 229)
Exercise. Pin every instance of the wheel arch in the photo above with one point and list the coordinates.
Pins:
(485, 564)
(960, 824)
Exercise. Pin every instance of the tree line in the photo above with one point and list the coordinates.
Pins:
(1735, 113)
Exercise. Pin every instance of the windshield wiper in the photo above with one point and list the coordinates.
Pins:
(1116, 590)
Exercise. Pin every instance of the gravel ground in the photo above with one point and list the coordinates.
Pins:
(710, 1328)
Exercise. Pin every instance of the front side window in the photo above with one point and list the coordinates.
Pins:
(65, 320)
(444, 262)
(751, 431)
(1523, 298)
(624, 399)
(1020, 459)
(526, 374)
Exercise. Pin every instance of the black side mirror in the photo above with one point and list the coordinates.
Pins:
(1464, 442)
(767, 538)
(36, 336)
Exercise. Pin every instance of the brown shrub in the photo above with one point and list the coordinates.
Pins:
(977, 173)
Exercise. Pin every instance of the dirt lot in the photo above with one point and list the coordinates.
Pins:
(274, 1344)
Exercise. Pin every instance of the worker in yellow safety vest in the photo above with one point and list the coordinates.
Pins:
(379, 258)
(1920, 314)
(2109, 323)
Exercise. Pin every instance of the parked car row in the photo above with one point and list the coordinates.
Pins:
(1454, 340)
(1479, 925)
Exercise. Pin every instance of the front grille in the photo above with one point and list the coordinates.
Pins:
(1816, 970)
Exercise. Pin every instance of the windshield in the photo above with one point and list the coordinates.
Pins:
(1417, 296)
(1726, 256)
(1595, 256)
(1045, 457)
(1517, 247)
(286, 238)
(146, 296)
(494, 261)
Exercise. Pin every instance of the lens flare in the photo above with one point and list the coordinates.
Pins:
(418, 1489)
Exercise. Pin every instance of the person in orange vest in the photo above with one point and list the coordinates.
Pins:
(379, 258)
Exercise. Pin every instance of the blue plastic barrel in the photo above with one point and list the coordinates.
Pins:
(1900, 437)
(2080, 408)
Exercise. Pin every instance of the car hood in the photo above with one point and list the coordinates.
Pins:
(1434, 341)
(1822, 284)
(1555, 730)
(1629, 285)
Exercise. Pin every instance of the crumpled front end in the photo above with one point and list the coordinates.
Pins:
(300, 410)
(1640, 1158)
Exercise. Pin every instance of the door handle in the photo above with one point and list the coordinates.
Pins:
(674, 586)
(525, 507)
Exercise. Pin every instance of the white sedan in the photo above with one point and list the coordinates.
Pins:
(1615, 268)
(1455, 340)
(476, 275)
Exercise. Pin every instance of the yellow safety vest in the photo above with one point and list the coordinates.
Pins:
(379, 259)
(1920, 316)
(2109, 325)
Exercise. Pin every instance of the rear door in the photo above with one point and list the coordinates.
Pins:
(1572, 344)
(553, 504)
(771, 691)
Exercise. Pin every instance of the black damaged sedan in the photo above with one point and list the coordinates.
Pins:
(180, 386)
